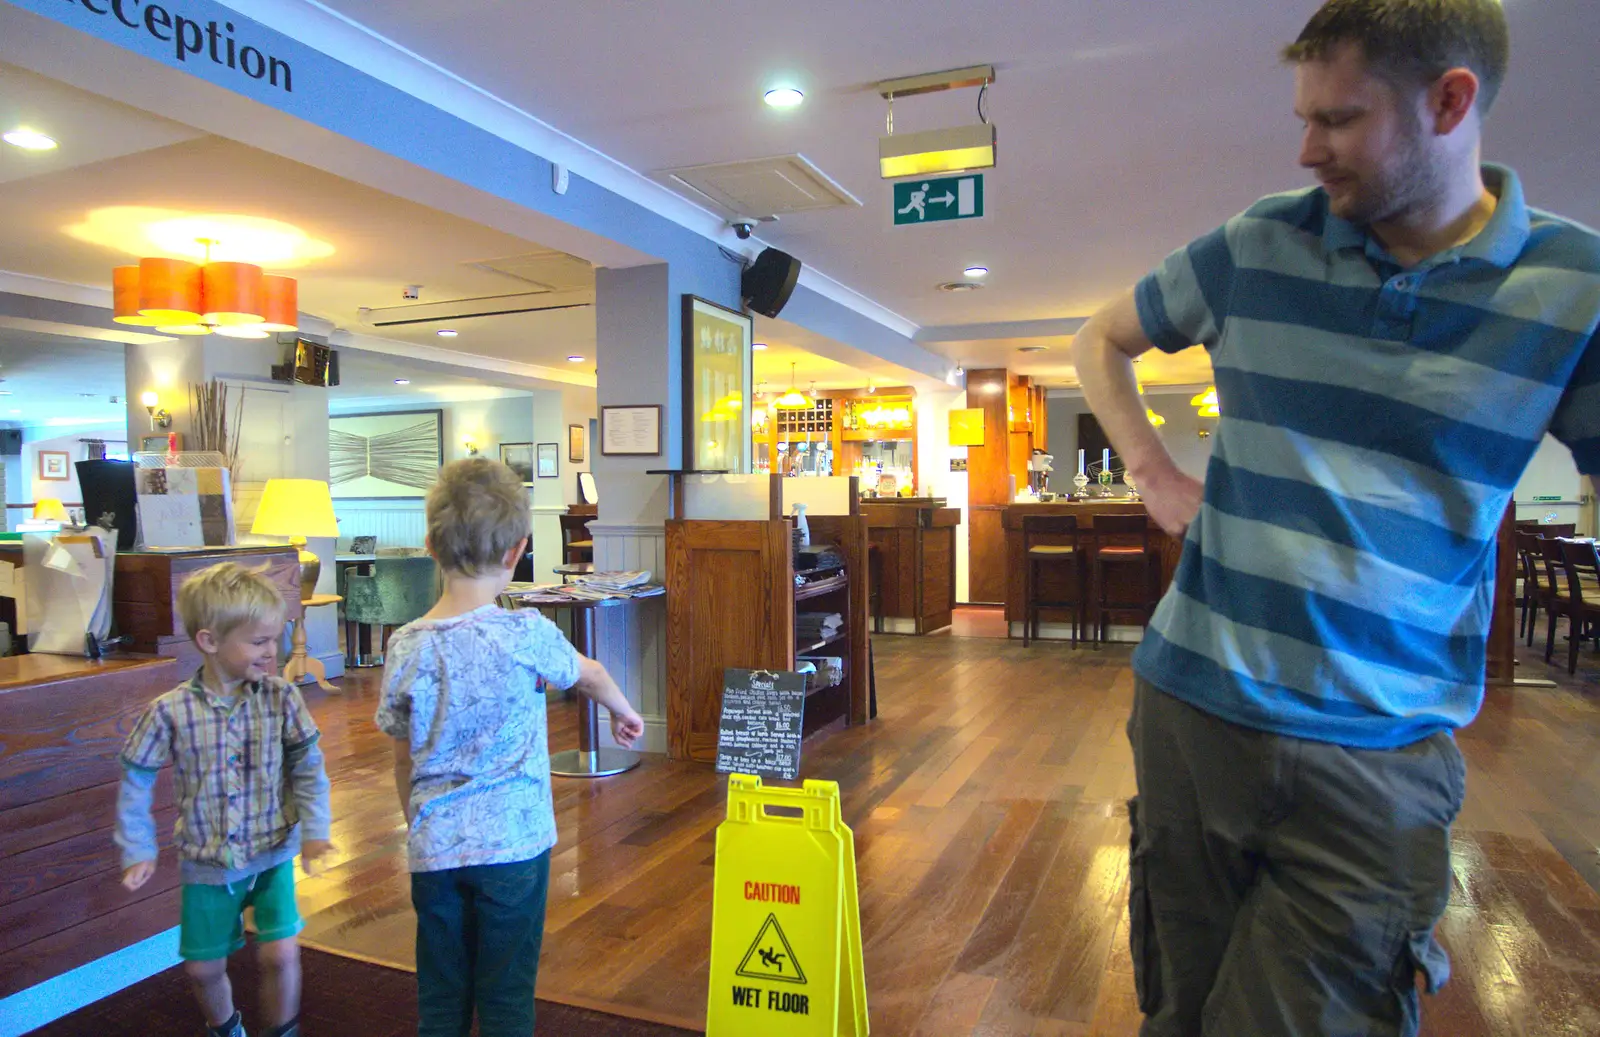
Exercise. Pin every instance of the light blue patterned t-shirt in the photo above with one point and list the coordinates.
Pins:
(464, 692)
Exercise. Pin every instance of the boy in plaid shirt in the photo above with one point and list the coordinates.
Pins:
(248, 781)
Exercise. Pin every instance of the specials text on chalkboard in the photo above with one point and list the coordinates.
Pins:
(760, 729)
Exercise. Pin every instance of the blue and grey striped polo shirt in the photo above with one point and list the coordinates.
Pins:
(1338, 582)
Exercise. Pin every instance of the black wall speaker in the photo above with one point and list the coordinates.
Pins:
(10, 442)
(769, 281)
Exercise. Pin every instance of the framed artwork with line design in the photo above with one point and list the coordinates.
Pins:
(384, 456)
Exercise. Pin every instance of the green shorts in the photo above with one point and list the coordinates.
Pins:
(213, 916)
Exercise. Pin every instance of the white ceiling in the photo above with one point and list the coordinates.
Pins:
(120, 157)
(1125, 129)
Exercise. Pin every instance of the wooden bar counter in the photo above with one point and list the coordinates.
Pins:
(1056, 583)
(914, 540)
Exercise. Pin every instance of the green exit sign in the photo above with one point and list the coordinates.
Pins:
(937, 199)
(1546, 500)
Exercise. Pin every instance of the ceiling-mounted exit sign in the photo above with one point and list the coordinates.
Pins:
(937, 199)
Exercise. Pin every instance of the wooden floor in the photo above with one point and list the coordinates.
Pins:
(988, 803)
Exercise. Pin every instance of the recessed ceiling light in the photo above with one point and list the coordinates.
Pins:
(784, 97)
(402, 381)
(975, 271)
(758, 346)
(29, 140)
(574, 359)
(1032, 349)
(446, 333)
(959, 286)
(86, 396)
(5, 392)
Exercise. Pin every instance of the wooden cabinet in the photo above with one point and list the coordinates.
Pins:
(915, 545)
(732, 602)
(144, 591)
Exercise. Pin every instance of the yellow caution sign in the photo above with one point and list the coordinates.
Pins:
(785, 922)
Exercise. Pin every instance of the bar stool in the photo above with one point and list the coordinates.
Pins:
(1042, 545)
(1123, 554)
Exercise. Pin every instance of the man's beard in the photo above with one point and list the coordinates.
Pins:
(1413, 178)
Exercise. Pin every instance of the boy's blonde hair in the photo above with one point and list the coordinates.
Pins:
(225, 597)
(477, 511)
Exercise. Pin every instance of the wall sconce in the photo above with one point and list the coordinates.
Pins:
(159, 416)
(471, 445)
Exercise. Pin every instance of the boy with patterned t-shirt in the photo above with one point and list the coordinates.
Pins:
(462, 699)
(248, 780)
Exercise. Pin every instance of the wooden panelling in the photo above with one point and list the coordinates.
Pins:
(59, 740)
(730, 603)
(632, 641)
(398, 523)
(916, 551)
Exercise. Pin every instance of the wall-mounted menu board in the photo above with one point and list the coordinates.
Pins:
(760, 730)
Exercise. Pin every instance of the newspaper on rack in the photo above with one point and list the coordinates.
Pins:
(597, 587)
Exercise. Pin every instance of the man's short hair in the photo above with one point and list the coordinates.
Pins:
(225, 597)
(477, 511)
(1411, 43)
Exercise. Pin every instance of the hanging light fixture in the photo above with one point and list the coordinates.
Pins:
(1211, 410)
(951, 150)
(177, 297)
(1156, 420)
(1205, 399)
(794, 399)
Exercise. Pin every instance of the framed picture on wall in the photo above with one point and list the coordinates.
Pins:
(392, 455)
(575, 444)
(53, 465)
(548, 455)
(519, 458)
(716, 387)
(158, 444)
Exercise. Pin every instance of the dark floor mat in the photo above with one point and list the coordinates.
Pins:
(342, 998)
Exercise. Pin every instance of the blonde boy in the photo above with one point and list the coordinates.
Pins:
(248, 780)
(463, 701)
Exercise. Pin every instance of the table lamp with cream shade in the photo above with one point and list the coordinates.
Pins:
(297, 509)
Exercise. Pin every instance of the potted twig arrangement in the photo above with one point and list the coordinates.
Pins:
(210, 421)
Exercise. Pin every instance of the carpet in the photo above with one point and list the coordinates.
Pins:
(342, 998)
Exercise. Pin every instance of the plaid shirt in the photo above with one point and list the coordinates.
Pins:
(231, 762)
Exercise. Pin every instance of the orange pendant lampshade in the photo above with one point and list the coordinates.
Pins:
(280, 303)
(230, 294)
(169, 291)
(125, 296)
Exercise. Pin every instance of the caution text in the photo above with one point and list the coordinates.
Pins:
(772, 893)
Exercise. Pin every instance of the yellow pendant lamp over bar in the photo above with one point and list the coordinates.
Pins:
(794, 399)
(1211, 410)
(1205, 399)
(1156, 420)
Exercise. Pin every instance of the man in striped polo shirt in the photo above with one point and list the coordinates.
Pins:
(1390, 348)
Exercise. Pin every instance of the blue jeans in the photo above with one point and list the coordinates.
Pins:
(479, 931)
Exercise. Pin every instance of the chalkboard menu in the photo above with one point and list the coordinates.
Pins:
(760, 730)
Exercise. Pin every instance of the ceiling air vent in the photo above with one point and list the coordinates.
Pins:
(549, 271)
(759, 188)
